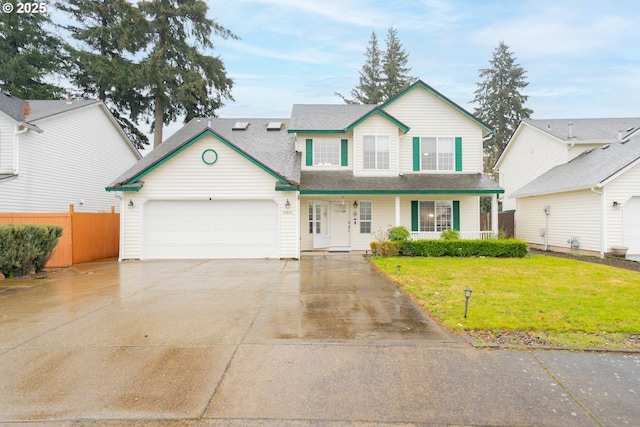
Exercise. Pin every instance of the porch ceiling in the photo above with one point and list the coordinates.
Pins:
(343, 182)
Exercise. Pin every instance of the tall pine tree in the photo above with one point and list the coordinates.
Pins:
(180, 78)
(110, 32)
(500, 103)
(369, 89)
(395, 66)
(30, 56)
(384, 73)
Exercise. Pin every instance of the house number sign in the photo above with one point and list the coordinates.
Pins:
(209, 156)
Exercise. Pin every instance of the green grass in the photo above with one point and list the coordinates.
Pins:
(562, 302)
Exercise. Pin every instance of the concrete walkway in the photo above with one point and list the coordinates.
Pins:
(320, 341)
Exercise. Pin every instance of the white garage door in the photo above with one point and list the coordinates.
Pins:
(211, 229)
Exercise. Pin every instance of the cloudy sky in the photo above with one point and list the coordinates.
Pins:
(582, 57)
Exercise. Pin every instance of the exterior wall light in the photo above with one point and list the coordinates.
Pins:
(287, 205)
(355, 204)
(467, 295)
(130, 203)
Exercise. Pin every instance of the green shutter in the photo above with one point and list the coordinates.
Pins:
(344, 152)
(414, 215)
(458, 154)
(416, 154)
(456, 215)
(309, 152)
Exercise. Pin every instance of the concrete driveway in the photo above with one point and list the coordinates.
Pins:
(320, 341)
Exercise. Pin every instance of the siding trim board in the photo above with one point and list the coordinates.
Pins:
(401, 191)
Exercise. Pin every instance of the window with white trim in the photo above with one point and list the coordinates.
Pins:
(365, 216)
(375, 152)
(326, 152)
(435, 215)
(437, 154)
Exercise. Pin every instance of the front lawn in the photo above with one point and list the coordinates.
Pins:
(540, 300)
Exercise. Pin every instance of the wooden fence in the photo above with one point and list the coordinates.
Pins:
(85, 236)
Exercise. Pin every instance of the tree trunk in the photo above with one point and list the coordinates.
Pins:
(158, 122)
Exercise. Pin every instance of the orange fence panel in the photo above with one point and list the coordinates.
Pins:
(62, 253)
(85, 236)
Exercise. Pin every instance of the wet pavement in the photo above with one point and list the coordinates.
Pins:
(321, 341)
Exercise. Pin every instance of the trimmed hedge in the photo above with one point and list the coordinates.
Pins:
(25, 248)
(506, 248)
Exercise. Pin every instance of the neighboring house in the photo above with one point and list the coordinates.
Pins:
(589, 205)
(54, 154)
(332, 177)
(538, 145)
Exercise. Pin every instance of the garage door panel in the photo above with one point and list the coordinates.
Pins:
(211, 229)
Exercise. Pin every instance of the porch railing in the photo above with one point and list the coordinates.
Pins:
(465, 235)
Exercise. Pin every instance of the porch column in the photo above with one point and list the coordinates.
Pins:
(494, 214)
(397, 211)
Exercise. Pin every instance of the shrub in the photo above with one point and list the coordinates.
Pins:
(450, 235)
(25, 248)
(488, 248)
(385, 248)
(399, 233)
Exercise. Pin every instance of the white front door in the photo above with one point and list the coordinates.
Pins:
(320, 220)
(340, 227)
(631, 227)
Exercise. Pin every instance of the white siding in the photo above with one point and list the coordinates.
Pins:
(572, 214)
(187, 177)
(76, 157)
(531, 153)
(427, 115)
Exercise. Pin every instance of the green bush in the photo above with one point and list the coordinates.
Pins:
(399, 233)
(450, 235)
(25, 248)
(385, 248)
(467, 248)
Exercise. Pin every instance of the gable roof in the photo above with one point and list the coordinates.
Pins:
(42, 109)
(271, 150)
(449, 102)
(333, 118)
(583, 131)
(593, 168)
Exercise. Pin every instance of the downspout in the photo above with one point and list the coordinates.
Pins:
(603, 219)
(16, 152)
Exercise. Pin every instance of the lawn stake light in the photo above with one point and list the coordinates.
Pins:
(467, 295)
(399, 269)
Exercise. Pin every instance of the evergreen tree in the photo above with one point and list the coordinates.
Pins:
(500, 104)
(369, 90)
(394, 66)
(384, 74)
(181, 79)
(110, 29)
(29, 55)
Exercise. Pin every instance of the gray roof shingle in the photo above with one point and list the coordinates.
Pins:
(327, 117)
(318, 182)
(588, 130)
(274, 149)
(40, 109)
(590, 169)
(12, 106)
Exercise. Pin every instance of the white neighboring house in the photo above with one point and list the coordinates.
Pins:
(589, 205)
(59, 153)
(328, 178)
(538, 145)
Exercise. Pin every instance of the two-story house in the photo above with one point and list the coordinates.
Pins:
(331, 177)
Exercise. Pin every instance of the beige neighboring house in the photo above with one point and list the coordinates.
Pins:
(575, 184)
(59, 153)
(330, 178)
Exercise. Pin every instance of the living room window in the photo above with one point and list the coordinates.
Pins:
(435, 215)
(375, 152)
(437, 154)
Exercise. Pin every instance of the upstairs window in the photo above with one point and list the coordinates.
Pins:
(375, 152)
(326, 152)
(437, 154)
